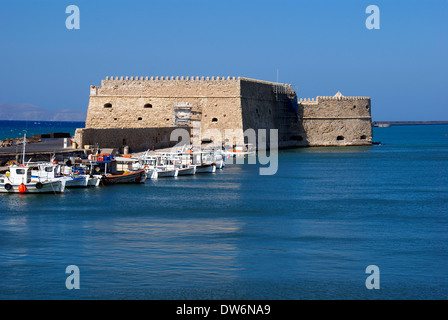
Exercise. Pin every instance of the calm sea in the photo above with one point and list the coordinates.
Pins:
(16, 129)
(307, 232)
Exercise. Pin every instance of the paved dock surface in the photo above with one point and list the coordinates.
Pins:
(46, 145)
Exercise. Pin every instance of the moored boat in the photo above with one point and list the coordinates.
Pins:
(186, 171)
(117, 170)
(206, 168)
(18, 180)
(125, 177)
(51, 171)
(94, 180)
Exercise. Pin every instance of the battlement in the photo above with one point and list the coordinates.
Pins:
(122, 79)
(341, 98)
(140, 80)
(330, 98)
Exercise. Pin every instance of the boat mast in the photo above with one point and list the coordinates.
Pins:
(24, 145)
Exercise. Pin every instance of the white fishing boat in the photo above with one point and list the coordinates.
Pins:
(94, 180)
(182, 163)
(204, 162)
(241, 151)
(206, 168)
(51, 171)
(156, 166)
(186, 171)
(218, 158)
(18, 180)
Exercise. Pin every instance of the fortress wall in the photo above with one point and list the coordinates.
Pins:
(338, 121)
(128, 98)
(267, 105)
(343, 107)
(137, 139)
(121, 106)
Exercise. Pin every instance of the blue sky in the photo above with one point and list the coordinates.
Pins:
(318, 46)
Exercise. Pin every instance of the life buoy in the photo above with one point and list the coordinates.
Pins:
(145, 167)
(8, 186)
(39, 185)
(22, 188)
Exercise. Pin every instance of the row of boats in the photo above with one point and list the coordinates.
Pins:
(105, 169)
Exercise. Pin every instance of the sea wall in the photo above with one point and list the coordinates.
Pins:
(137, 139)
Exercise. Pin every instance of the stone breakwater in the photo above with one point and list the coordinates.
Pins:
(17, 141)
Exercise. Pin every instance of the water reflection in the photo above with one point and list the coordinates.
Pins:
(166, 252)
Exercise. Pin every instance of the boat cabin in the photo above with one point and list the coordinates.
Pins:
(46, 171)
(18, 175)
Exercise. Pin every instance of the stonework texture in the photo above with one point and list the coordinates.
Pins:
(141, 113)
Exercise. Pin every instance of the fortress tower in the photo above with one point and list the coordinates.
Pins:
(336, 121)
(142, 112)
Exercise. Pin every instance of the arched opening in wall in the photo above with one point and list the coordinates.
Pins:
(354, 107)
(140, 118)
(363, 137)
(148, 105)
(108, 105)
(367, 107)
(215, 120)
(340, 138)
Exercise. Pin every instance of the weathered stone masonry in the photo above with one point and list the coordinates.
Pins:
(142, 113)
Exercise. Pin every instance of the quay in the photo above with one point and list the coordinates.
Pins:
(38, 151)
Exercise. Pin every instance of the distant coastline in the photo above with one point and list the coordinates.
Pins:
(406, 123)
(30, 112)
(374, 123)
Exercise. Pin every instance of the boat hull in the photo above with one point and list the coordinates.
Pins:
(206, 168)
(186, 171)
(77, 182)
(94, 181)
(166, 173)
(35, 187)
(131, 177)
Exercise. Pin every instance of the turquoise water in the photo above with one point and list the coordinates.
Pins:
(308, 232)
(16, 129)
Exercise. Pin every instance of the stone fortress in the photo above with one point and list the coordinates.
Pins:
(142, 112)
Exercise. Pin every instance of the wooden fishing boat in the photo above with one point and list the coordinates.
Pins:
(138, 176)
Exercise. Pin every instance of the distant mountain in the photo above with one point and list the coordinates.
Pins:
(26, 111)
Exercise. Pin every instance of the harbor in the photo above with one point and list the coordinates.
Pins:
(29, 172)
(307, 232)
